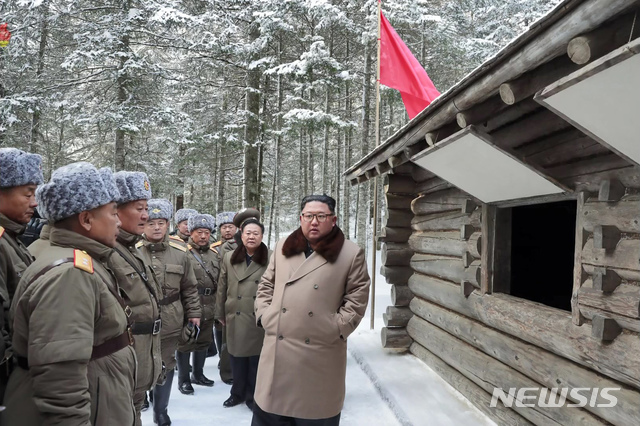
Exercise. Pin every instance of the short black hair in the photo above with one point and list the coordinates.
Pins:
(324, 198)
(250, 221)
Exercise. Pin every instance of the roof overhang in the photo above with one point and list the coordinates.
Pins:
(603, 100)
(471, 161)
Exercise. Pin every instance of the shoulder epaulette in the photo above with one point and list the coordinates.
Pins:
(175, 237)
(216, 244)
(212, 247)
(180, 247)
(1, 231)
(83, 261)
(139, 244)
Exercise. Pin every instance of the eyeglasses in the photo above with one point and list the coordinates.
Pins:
(308, 217)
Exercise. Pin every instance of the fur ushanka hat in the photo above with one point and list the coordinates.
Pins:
(224, 218)
(19, 168)
(160, 208)
(184, 214)
(133, 186)
(75, 188)
(198, 221)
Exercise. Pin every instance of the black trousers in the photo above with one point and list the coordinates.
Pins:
(245, 371)
(262, 418)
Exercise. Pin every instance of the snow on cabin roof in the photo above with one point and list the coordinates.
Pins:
(558, 26)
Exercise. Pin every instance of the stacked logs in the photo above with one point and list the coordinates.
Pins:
(396, 256)
(607, 286)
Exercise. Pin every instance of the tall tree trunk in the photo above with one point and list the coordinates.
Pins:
(180, 193)
(325, 145)
(121, 84)
(273, 211)
(251, 195)
(44, 34)
(364, 147)
(346, 198)
(304, 183)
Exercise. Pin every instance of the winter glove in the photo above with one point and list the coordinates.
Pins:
(189, 333)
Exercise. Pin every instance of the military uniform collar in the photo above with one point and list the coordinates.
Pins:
(184, 237)
(201, 249)
(14, 228)
(127, 239)
(65, 238)
(160, 246)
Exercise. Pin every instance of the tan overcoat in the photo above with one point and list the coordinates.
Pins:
(143, 301)
(179, 299)
(308, 307)
(237, 288)
(58, 318)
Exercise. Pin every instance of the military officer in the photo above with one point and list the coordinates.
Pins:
(71, 338)
(180, 298)
(182, 223)
(138, 282)
(20, 173)
(206, 266)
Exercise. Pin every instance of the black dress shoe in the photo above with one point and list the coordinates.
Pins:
(232, 401)
(249, 404)
(145, 403)
(201, 381)
(228, 382)
(185, 388)
(162, 419)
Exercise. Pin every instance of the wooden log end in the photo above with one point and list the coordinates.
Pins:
(467, 258)
(604, 329)
(606, 280)
(611, 190)
(353, 182)
(579, 51)
(606, 237)
(466, 288)
(461, 120)
(361, 178)
(506, 94)
(395, 338)
(466, 231)
(430, 138)
(468, 206)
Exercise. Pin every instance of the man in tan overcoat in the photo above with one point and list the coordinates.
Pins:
(138, 282)
(310, 299)
(179, 300)
(72, 340)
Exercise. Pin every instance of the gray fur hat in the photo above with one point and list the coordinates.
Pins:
(198, 221)
(133, 186)
(224, 217)
(160, 208)
(184, 214)
(75, 188)
(19, 168)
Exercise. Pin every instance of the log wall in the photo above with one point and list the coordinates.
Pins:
(399, 188)
(477, 341)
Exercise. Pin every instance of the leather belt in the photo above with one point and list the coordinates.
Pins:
(208, 291)
(149, 327)
(170, 299)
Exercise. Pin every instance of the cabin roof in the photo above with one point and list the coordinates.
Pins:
(545, 41)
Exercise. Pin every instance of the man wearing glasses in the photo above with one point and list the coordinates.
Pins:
(310, 299)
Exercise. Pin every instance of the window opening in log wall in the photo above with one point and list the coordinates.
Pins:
(535, 247)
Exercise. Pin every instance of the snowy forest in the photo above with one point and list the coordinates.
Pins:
(230, 103)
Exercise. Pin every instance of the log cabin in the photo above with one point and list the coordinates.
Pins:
(511, 228)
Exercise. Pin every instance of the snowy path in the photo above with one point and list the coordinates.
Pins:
(363, 405)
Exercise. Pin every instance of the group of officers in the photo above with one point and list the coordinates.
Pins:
(100, 309)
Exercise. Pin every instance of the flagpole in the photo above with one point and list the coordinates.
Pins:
(375, 181)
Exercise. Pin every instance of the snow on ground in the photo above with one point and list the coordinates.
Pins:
(383, 388)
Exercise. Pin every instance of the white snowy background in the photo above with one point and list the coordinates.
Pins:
(383, 387)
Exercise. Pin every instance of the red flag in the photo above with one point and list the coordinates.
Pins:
(400, 70)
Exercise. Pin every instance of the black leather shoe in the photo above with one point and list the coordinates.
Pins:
(162, 419)
(232, 401)
(228, 382)
(145, 403)
(249, 404)
(186, 388)
(201, 381)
